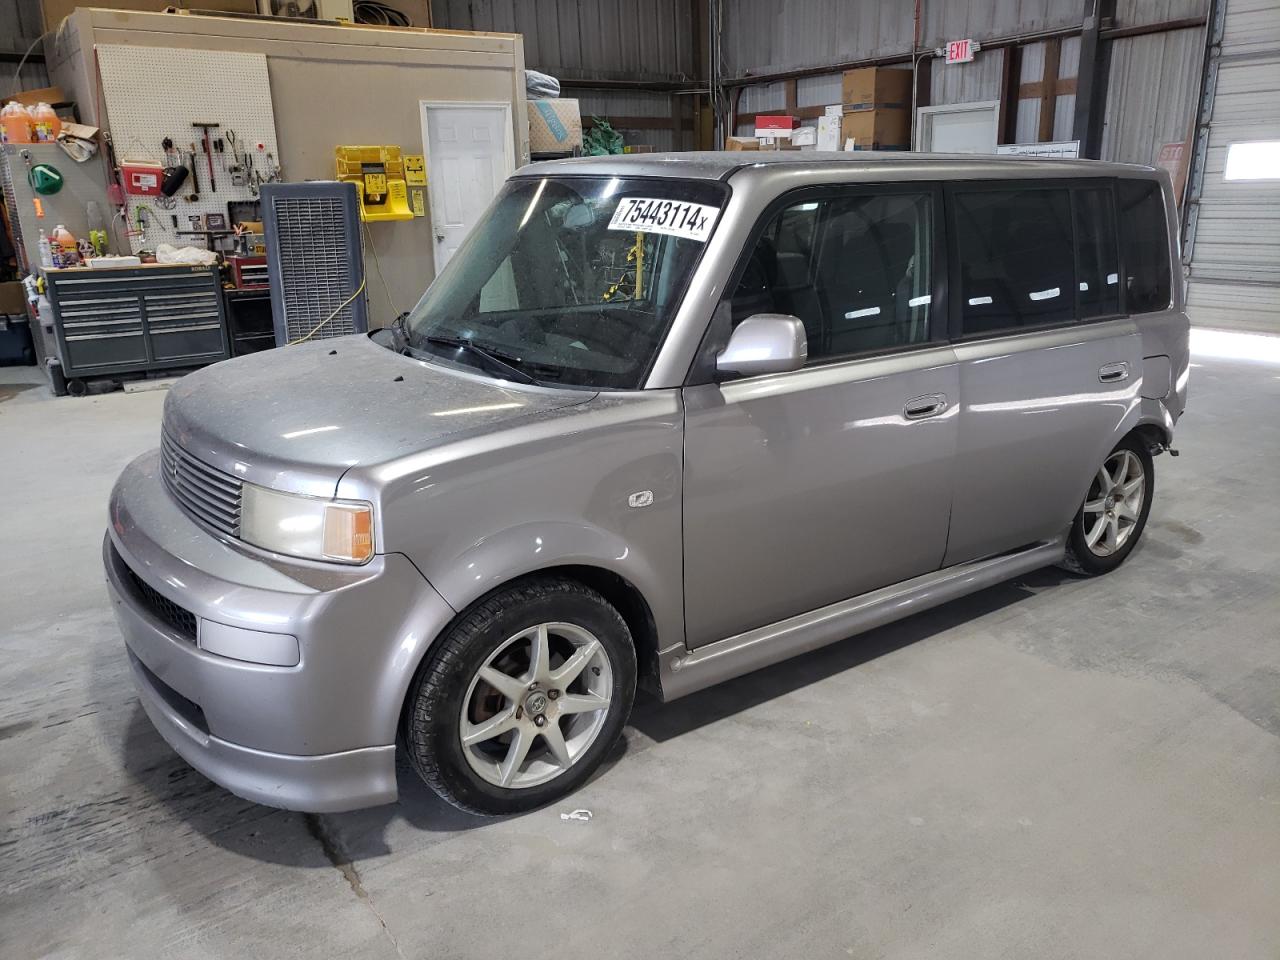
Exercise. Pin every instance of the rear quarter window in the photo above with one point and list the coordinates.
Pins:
(1144, 242)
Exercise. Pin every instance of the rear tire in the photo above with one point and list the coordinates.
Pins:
(520, 701)
(1114, 513)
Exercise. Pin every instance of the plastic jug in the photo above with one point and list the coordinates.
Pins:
(15, 124)
(45, 123)
(62, 246)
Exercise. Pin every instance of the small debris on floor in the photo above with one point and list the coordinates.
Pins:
(583, 815)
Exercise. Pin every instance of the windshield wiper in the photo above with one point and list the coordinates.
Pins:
(400, 331)
(504, 362)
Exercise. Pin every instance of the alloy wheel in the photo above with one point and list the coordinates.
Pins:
(1114, 504)
(536, 705)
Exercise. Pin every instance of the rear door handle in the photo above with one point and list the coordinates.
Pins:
(921, 408)
(1113, 372)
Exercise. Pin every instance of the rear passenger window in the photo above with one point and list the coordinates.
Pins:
(1017, 267)
(856, 270)
(1145, 239)
(1099, 278)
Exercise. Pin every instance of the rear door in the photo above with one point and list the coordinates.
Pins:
(1048, 362)
(806, 488)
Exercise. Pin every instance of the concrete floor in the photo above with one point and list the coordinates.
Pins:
(1051, 768)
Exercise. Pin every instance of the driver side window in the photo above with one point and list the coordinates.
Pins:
(856, 270)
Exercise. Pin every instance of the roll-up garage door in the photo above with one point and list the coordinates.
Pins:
(1233, 233)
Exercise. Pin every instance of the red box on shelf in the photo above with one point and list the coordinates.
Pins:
(142, 179)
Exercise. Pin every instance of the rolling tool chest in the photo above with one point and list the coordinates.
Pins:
(137, 319)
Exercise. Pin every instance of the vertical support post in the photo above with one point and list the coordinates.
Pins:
(1049, 88)
(1092, 78)
(1010, 82)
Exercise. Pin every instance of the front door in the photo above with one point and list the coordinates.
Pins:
(806, 488)
(469, 154)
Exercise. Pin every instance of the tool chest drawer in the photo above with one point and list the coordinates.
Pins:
(137, 319)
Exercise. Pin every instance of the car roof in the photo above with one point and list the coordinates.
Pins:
(722, 164)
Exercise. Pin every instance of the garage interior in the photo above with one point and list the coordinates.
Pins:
(1050, 767)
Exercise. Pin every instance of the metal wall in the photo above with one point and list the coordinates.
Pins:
(763, 36)
(587, 39)
(1233, 235)
(21, 23)
(1151, 95)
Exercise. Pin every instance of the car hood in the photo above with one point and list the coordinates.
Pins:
(297, 418)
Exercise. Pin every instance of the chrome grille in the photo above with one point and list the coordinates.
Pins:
(208, 496)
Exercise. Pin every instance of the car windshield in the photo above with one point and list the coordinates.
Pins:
(572, 281)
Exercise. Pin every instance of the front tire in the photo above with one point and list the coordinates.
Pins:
(520, 701)
(1114, 513)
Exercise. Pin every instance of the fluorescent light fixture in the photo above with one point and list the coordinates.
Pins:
(865, 312)
(920, 301)
(979, 301)
(1112, 278)
(1084, 287)
(1045, 294)
(1253, 160)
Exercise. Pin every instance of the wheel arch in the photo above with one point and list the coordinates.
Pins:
(617, 590)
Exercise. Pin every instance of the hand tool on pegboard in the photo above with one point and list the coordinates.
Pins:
(208, 150)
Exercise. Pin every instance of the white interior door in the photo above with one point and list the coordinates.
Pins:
(469, 152)
(958, 128)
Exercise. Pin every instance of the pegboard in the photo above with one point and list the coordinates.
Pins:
(155, 92)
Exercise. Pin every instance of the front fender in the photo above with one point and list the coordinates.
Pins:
(542, 545)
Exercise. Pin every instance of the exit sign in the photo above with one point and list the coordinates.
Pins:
(961, 51)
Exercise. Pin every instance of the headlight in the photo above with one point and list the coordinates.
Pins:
(307, 527)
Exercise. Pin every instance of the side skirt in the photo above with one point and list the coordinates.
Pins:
(684, 672)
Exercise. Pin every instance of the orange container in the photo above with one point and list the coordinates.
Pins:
(15, 124)
(45, 122)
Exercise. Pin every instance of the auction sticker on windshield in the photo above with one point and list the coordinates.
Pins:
(693, 221)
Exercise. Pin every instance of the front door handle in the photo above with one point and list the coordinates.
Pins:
(1113, 372)
(921, 408)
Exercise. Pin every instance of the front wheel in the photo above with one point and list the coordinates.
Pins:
(1114, 513)
(520, 701)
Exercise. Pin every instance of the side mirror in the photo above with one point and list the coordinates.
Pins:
(765, 343)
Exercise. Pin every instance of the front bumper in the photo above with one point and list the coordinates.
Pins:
(318, 735)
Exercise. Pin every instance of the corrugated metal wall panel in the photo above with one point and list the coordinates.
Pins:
(1235, 253)
(1151, 97)
(1131, 13)
(761, 36)
(21, 24)
(968, 82)
(577, 39)
(764, 96)
(33, 77)
(819, 91)
(984, 19)
(612, 104)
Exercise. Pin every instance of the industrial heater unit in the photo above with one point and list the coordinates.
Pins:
(314, 260)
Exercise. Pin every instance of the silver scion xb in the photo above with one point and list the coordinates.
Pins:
(661, 421)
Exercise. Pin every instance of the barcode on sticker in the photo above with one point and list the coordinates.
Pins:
(693, 221)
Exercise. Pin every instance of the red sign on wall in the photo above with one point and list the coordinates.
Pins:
(960, 51)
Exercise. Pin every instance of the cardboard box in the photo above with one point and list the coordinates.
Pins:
(829, 132)
(741, 143)
(870, 88)
(13, 299)
(876, 129)
(555, 126)
(804, 136)
(29, 98)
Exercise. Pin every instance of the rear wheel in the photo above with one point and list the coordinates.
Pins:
(519, 703)
(1114, 512)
